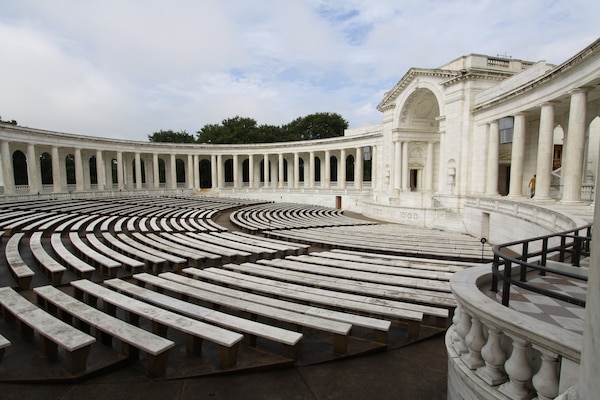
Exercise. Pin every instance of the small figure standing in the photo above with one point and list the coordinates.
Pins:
(532, 186)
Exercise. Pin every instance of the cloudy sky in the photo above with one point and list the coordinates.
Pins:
(127, 68)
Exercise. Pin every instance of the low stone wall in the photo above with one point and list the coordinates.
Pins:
(498, 353)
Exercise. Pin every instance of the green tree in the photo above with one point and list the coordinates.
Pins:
(316, 126)
(171, 137)
(236, 130)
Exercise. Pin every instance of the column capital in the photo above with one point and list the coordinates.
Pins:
(549, 103)
(581, 89)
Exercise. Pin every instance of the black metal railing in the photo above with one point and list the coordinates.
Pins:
(566, 247)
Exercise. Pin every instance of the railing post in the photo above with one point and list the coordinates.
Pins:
(576, 250)
(524, 257)
(496, 264)
(563, 241)
(506, 283)
(544, 255)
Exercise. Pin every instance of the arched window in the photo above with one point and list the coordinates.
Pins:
(46, 168)
(20, 168)
(70, 167)
(205, 174)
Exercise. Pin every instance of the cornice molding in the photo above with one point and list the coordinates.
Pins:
(561, 69)
(388, 100)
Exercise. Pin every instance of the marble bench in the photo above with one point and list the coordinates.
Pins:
(107, 265)
(151, 261)
(351, 303)
(4, 344)
(19, 269)
(173, 261)
(76, 264)
(132, 338)
(53, 332)
(195, 331)
(54, 270)
(289, 339)
(130, 264)
(248, 302)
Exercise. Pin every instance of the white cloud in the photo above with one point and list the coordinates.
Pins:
(127, 69)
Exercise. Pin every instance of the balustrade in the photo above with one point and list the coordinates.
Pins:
(503, 353)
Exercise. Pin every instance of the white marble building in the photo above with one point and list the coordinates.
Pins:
(456, 149)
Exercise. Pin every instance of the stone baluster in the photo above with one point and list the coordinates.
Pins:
(493, 355)
(455, 320)
(474, 341)
(462, 329)
(545, 381)
(519, 371)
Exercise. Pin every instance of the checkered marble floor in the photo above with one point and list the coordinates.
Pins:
(556, 312)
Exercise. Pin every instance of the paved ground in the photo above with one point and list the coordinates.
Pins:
(414, 372)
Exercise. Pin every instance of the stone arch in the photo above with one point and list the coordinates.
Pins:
(350, 161)
(246, 171)
(180, 170)
(205, 173)
(93, 171)
(46, 168)
(228, 170)
(19, 161)
(317, 176)
(419, 111)
(70, 169)
(333, 169)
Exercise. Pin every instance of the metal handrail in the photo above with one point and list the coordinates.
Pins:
(572, 246)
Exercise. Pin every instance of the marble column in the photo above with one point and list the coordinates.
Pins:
(517, 157)
(56, 177)
(266, 170)
(574, 153)
(213, 172)
(236, 171)
(311, 169)
(493, 159)
(545, 153)
(397, 174)
(220, 174)
(196, 171)
(79, 177)
(327, 169)
(100, 179)
(342, 170)
(296, 170)
(429, 168)
(32, 169)
(173, 171)
(280, 171)
(189, 169)
(251, 171)
(156, 170)
(138, 170)
(405, 170)
(120, 170)
(8, 175)
(358, 168)
(589, 384)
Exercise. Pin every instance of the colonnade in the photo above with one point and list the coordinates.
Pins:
(402, 166)
(573, 153)
(189, 168)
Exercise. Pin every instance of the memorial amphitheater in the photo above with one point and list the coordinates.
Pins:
(128, 261)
